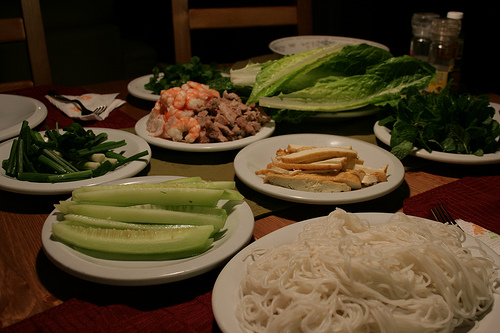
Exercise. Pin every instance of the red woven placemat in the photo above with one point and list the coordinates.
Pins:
(75, 315)
(473, 199)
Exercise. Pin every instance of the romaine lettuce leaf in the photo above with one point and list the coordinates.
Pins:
(351, 60)
(380, 84)
(245, 76)
(274, 74)
(302, 70)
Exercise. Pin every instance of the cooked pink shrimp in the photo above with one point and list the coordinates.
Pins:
(175, 96)
(193, 100)
(191, 84)
(184, 114)
(176, 113)
(198, 94)
(157, 108)
(184, 125)
(172, 114)
(155, 125)
(171, 111)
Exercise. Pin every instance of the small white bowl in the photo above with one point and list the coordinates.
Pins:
(298, 44)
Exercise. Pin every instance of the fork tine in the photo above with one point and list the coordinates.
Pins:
(446, 214)
(441, 214)
(100, 110)
(436, 214)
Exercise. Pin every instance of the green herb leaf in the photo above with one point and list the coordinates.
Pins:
(402, 149)
(177, 74)
(445, 121)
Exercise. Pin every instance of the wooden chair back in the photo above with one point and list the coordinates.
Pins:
(28, 28)
(186, 19)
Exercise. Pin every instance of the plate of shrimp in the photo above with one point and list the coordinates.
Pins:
(183, 118)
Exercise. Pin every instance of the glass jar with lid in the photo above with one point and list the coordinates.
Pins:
(457, 67)
(444, 35)
(421, 40)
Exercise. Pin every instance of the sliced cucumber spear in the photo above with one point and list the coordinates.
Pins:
(135, 242)
(87, 221)
(142, 257)
(154, 196)
(150, 216)
(192, 182)
(148, 221)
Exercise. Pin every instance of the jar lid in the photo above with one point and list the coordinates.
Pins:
(455, 15)
(445, 27)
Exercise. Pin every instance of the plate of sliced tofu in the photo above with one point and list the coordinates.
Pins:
(318, 169)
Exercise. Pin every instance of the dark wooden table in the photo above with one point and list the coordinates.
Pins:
(30, 283)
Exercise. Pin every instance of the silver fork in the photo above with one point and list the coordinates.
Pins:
(100, 110)
(442, 215)
(85, 111)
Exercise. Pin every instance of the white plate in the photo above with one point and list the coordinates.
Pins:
(14, 109)
(140, 129)
(384, 135)
(136, 89)
(225, 293)
(239, 228)
(258, 155)
(134, 145)
(298, 44)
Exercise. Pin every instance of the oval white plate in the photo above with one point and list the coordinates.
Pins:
(14, 109)
(140, 129)
(136, 89)
(384, 135)
(134, 145)
(298, 44)
(258, 155)
(239, 228)
(225, 293)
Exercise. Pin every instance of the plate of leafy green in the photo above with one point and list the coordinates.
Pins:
(444, 127)
(333, 81)
(149, 87)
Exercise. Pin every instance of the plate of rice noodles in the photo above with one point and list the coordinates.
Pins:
(363, 272)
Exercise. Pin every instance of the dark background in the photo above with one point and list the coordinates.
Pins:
(100, 40)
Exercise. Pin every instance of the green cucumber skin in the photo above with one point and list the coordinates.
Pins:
(63, 207)
(177, 183)
(170, 220)
(220, 212)
(87, 221)
(133, 241)
(146, 257)
(155, 196)
(232, 195)
(141, 215)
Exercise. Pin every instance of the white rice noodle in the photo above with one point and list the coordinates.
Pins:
(343, 275)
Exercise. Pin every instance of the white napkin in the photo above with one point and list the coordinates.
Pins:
(91, 102)
(484, 235)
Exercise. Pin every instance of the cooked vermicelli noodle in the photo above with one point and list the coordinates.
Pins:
(343, 275)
